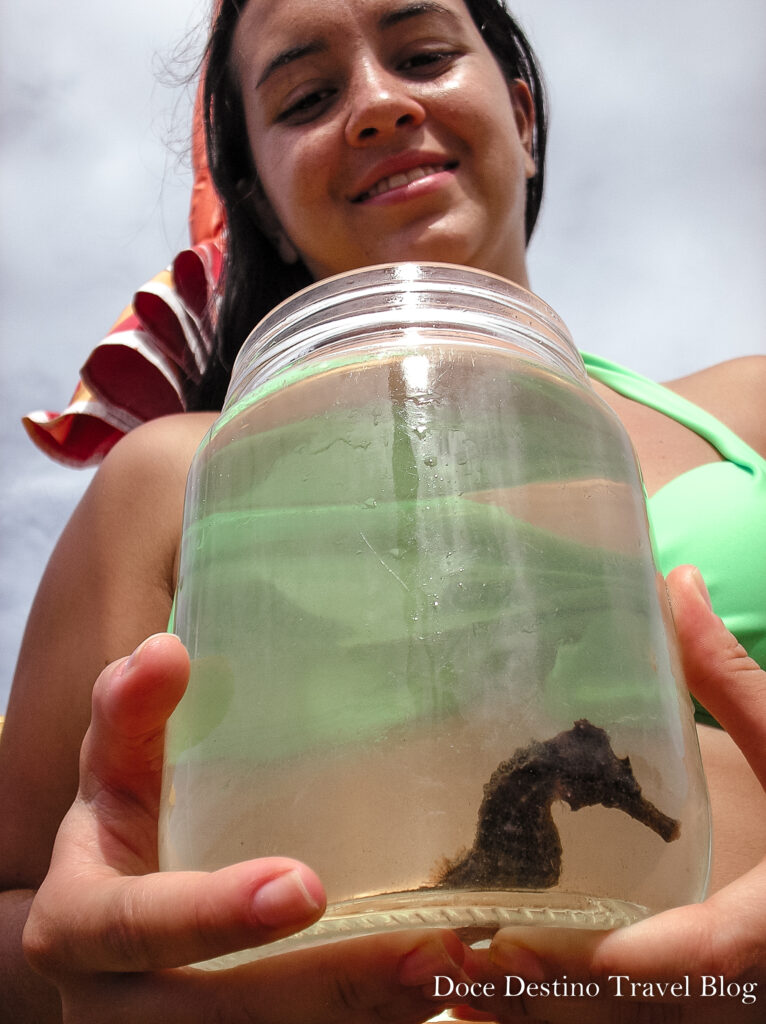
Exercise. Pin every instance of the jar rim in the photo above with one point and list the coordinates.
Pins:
(395, 295)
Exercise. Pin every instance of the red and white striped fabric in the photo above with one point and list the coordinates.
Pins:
(140, 369)
(159, 343)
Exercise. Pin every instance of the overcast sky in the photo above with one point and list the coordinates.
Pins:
(651, 245)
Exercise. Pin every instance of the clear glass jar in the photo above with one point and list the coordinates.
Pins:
(431, 654)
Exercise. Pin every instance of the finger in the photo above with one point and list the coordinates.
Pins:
(545, 976)
(718, 670)
(116, 924)
(536, 954)
(362, 981)
(466, 1014)
(385, 977)
(725, 935)
(114, 818)
(132, 700)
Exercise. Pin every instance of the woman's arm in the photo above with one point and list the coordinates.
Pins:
(108, 585)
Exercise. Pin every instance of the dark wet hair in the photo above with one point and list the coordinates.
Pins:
(255, 278)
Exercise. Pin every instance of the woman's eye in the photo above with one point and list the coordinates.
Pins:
(429, 61)
(307, 107)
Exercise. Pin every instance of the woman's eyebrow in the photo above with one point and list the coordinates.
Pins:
(414, 10)
(290, 55)
(417, 9)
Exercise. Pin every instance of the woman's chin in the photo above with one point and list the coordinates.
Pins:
(431, 246)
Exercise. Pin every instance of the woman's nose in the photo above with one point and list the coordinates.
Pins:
(381, 104)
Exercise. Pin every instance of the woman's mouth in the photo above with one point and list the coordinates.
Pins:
(402, 178)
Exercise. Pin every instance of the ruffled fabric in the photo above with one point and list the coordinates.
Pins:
(144, 367)
(158, 348)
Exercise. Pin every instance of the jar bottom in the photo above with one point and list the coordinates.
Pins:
(474, 916)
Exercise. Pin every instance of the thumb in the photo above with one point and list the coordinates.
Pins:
(718, 671)
(122, 753)
(725, 935)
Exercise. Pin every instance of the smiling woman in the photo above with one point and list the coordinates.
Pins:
(340, 133)
(306, 118)
(332, 130)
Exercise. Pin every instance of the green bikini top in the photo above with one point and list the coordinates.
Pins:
(713, 516)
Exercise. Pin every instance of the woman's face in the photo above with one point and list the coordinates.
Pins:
(384, 130)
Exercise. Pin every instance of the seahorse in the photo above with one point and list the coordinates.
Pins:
(517, 844)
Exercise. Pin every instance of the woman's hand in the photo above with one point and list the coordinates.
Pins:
(115, 935)
(721, 942)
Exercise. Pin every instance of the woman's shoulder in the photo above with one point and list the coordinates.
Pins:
(129, 519)
(154, 457)
(138, 490)
(733, 391)
(162, 442)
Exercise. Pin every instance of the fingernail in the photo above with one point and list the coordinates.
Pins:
(133, 658)
(422, 965)
(283, 901)
(517, 959)
(701, 587)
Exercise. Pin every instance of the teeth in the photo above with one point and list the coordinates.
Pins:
(398, 180)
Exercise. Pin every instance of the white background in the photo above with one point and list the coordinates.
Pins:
(651, 243)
